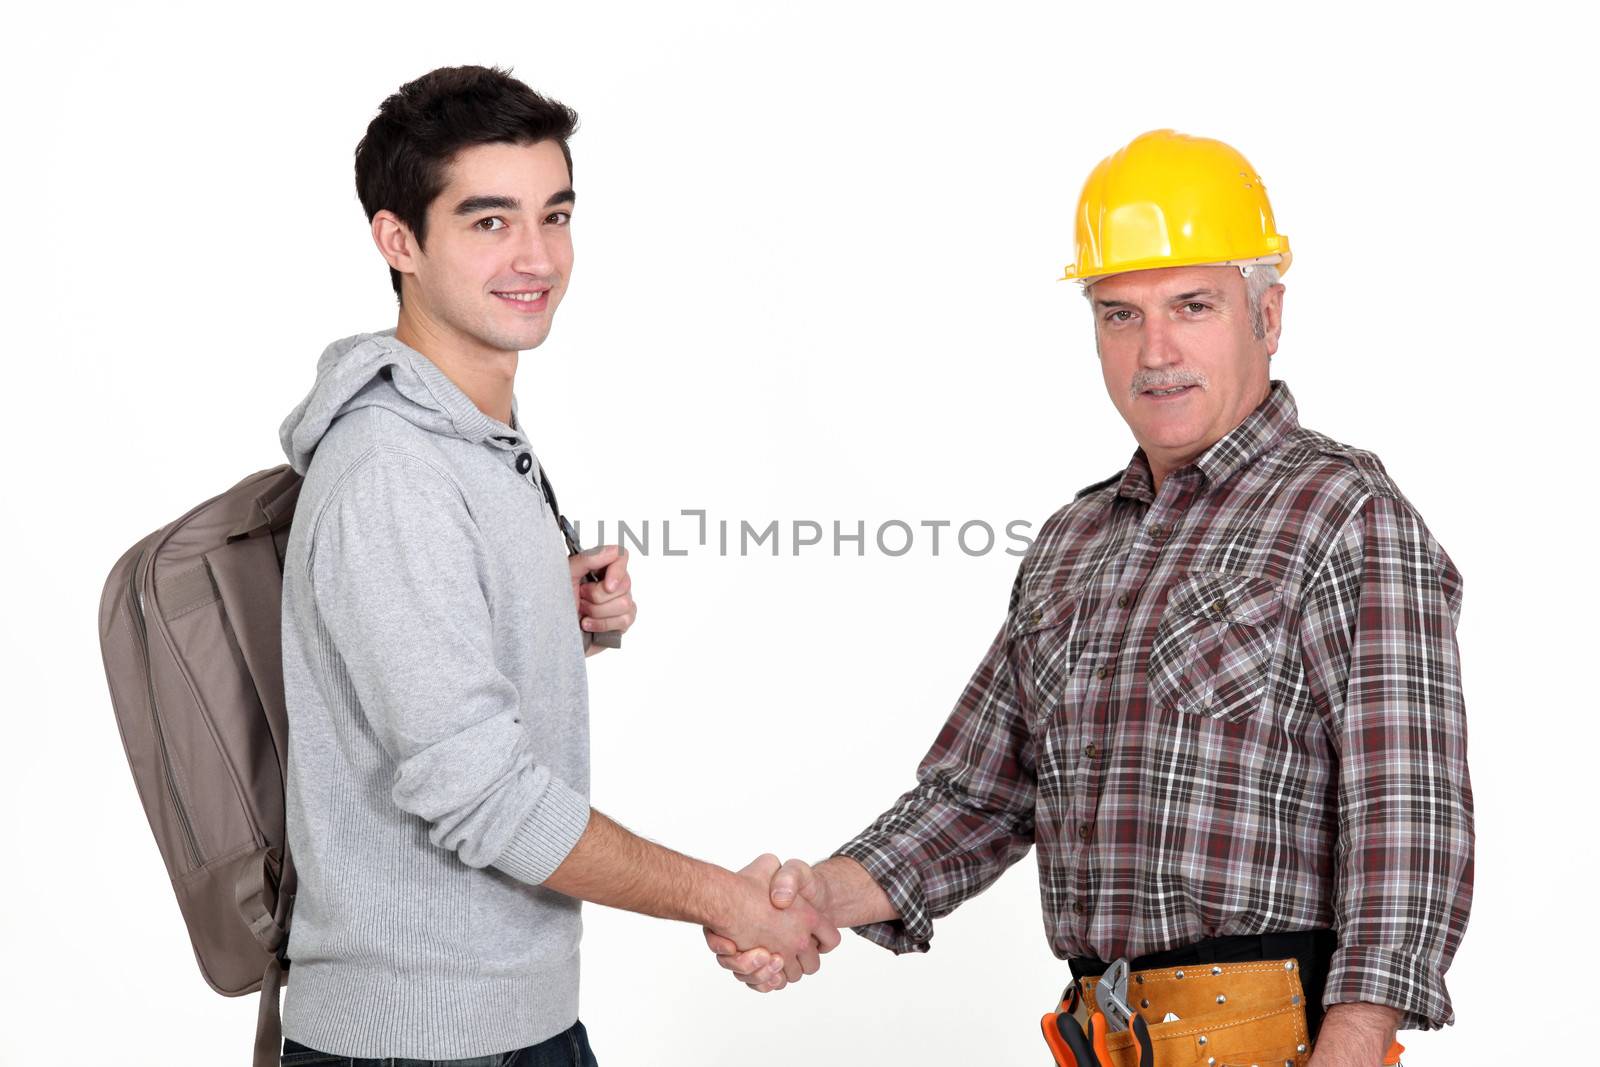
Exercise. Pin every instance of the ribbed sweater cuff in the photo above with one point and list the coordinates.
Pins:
(545, 837)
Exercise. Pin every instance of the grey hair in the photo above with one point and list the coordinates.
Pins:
(1262, 276)
(1258, 278)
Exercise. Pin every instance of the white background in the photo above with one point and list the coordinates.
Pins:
(816, 279)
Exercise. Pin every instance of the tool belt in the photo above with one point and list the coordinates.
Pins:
(1222, 1014)
(1246, 1000)
(1221, 1002)
(1312, 949)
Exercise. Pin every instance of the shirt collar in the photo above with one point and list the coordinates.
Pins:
(1275, 418)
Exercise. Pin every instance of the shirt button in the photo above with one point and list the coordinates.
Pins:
(1220, 607)
(524, 463)
(1158, 532)
(1122, 601)
(1103, 672)
(1090, 750)
(1083, 831)
(1034, 617)
(1077, 907)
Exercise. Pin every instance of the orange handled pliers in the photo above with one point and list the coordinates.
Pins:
(1073, 1047)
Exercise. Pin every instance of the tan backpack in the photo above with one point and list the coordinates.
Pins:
(190, 633)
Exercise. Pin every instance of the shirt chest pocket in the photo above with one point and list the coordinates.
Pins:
(1044, 644)
(1213, 647)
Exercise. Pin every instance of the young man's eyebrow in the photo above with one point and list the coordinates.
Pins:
(474, 204)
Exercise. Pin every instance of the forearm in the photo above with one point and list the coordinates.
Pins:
(854, 897)
(1355, 1035)
(926, 855)
(612, 866)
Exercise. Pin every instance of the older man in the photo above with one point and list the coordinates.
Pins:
(1225, 702)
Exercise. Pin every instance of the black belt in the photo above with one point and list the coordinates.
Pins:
(1311, 949)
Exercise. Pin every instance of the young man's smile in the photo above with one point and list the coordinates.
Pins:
(525, 301)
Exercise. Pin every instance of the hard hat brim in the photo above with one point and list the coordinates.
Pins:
(1280, 260)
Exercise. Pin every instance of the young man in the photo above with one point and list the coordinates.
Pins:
(434, 632)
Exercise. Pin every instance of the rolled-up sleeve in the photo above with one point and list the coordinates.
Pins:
(1378, 634)
(401, 583)
(970, 816)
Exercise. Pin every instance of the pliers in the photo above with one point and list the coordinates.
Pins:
(1088, 1049)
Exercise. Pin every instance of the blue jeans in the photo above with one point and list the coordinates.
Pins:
(567, 1049)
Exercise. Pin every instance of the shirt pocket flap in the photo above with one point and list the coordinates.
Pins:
(1232, 598)
(1213, 648)
(1044, 639)
(1043, 613)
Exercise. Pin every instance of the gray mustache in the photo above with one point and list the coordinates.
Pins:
(1164, 380)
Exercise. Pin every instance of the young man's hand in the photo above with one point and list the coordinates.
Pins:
(788, 940)
(764, 968)
(838, 888)
(607, 604)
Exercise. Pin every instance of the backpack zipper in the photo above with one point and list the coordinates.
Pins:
(136, 609)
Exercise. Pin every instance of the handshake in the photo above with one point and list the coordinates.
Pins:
(778, 931)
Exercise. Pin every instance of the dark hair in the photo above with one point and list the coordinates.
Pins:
(401, 160)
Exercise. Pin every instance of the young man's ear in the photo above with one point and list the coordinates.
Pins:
(395, 241)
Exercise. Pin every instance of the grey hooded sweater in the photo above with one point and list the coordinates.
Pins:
(438, 766)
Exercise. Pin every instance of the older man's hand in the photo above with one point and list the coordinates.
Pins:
(786, 940)
(607, 604)
(763, 968)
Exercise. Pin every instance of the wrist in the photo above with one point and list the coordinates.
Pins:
(831, 884)
(854, 897)
(1376, 1019)
(1355, 1033)
(723, 904)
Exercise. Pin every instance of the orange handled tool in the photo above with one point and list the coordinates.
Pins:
(1098, 1029)
(1072, 1047)
(1067, 1042)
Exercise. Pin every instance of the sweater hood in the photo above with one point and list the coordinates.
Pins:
(376, 370)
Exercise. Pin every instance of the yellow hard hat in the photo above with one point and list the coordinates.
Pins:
(1171, 200)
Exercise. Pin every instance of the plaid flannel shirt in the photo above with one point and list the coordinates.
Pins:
(1233, 707)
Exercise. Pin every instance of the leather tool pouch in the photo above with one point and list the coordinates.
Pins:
(1228, 1015)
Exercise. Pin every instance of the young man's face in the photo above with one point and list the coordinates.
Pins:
(1180, 355)
(499, 248)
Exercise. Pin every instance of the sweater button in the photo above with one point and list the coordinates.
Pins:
(524, 462)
